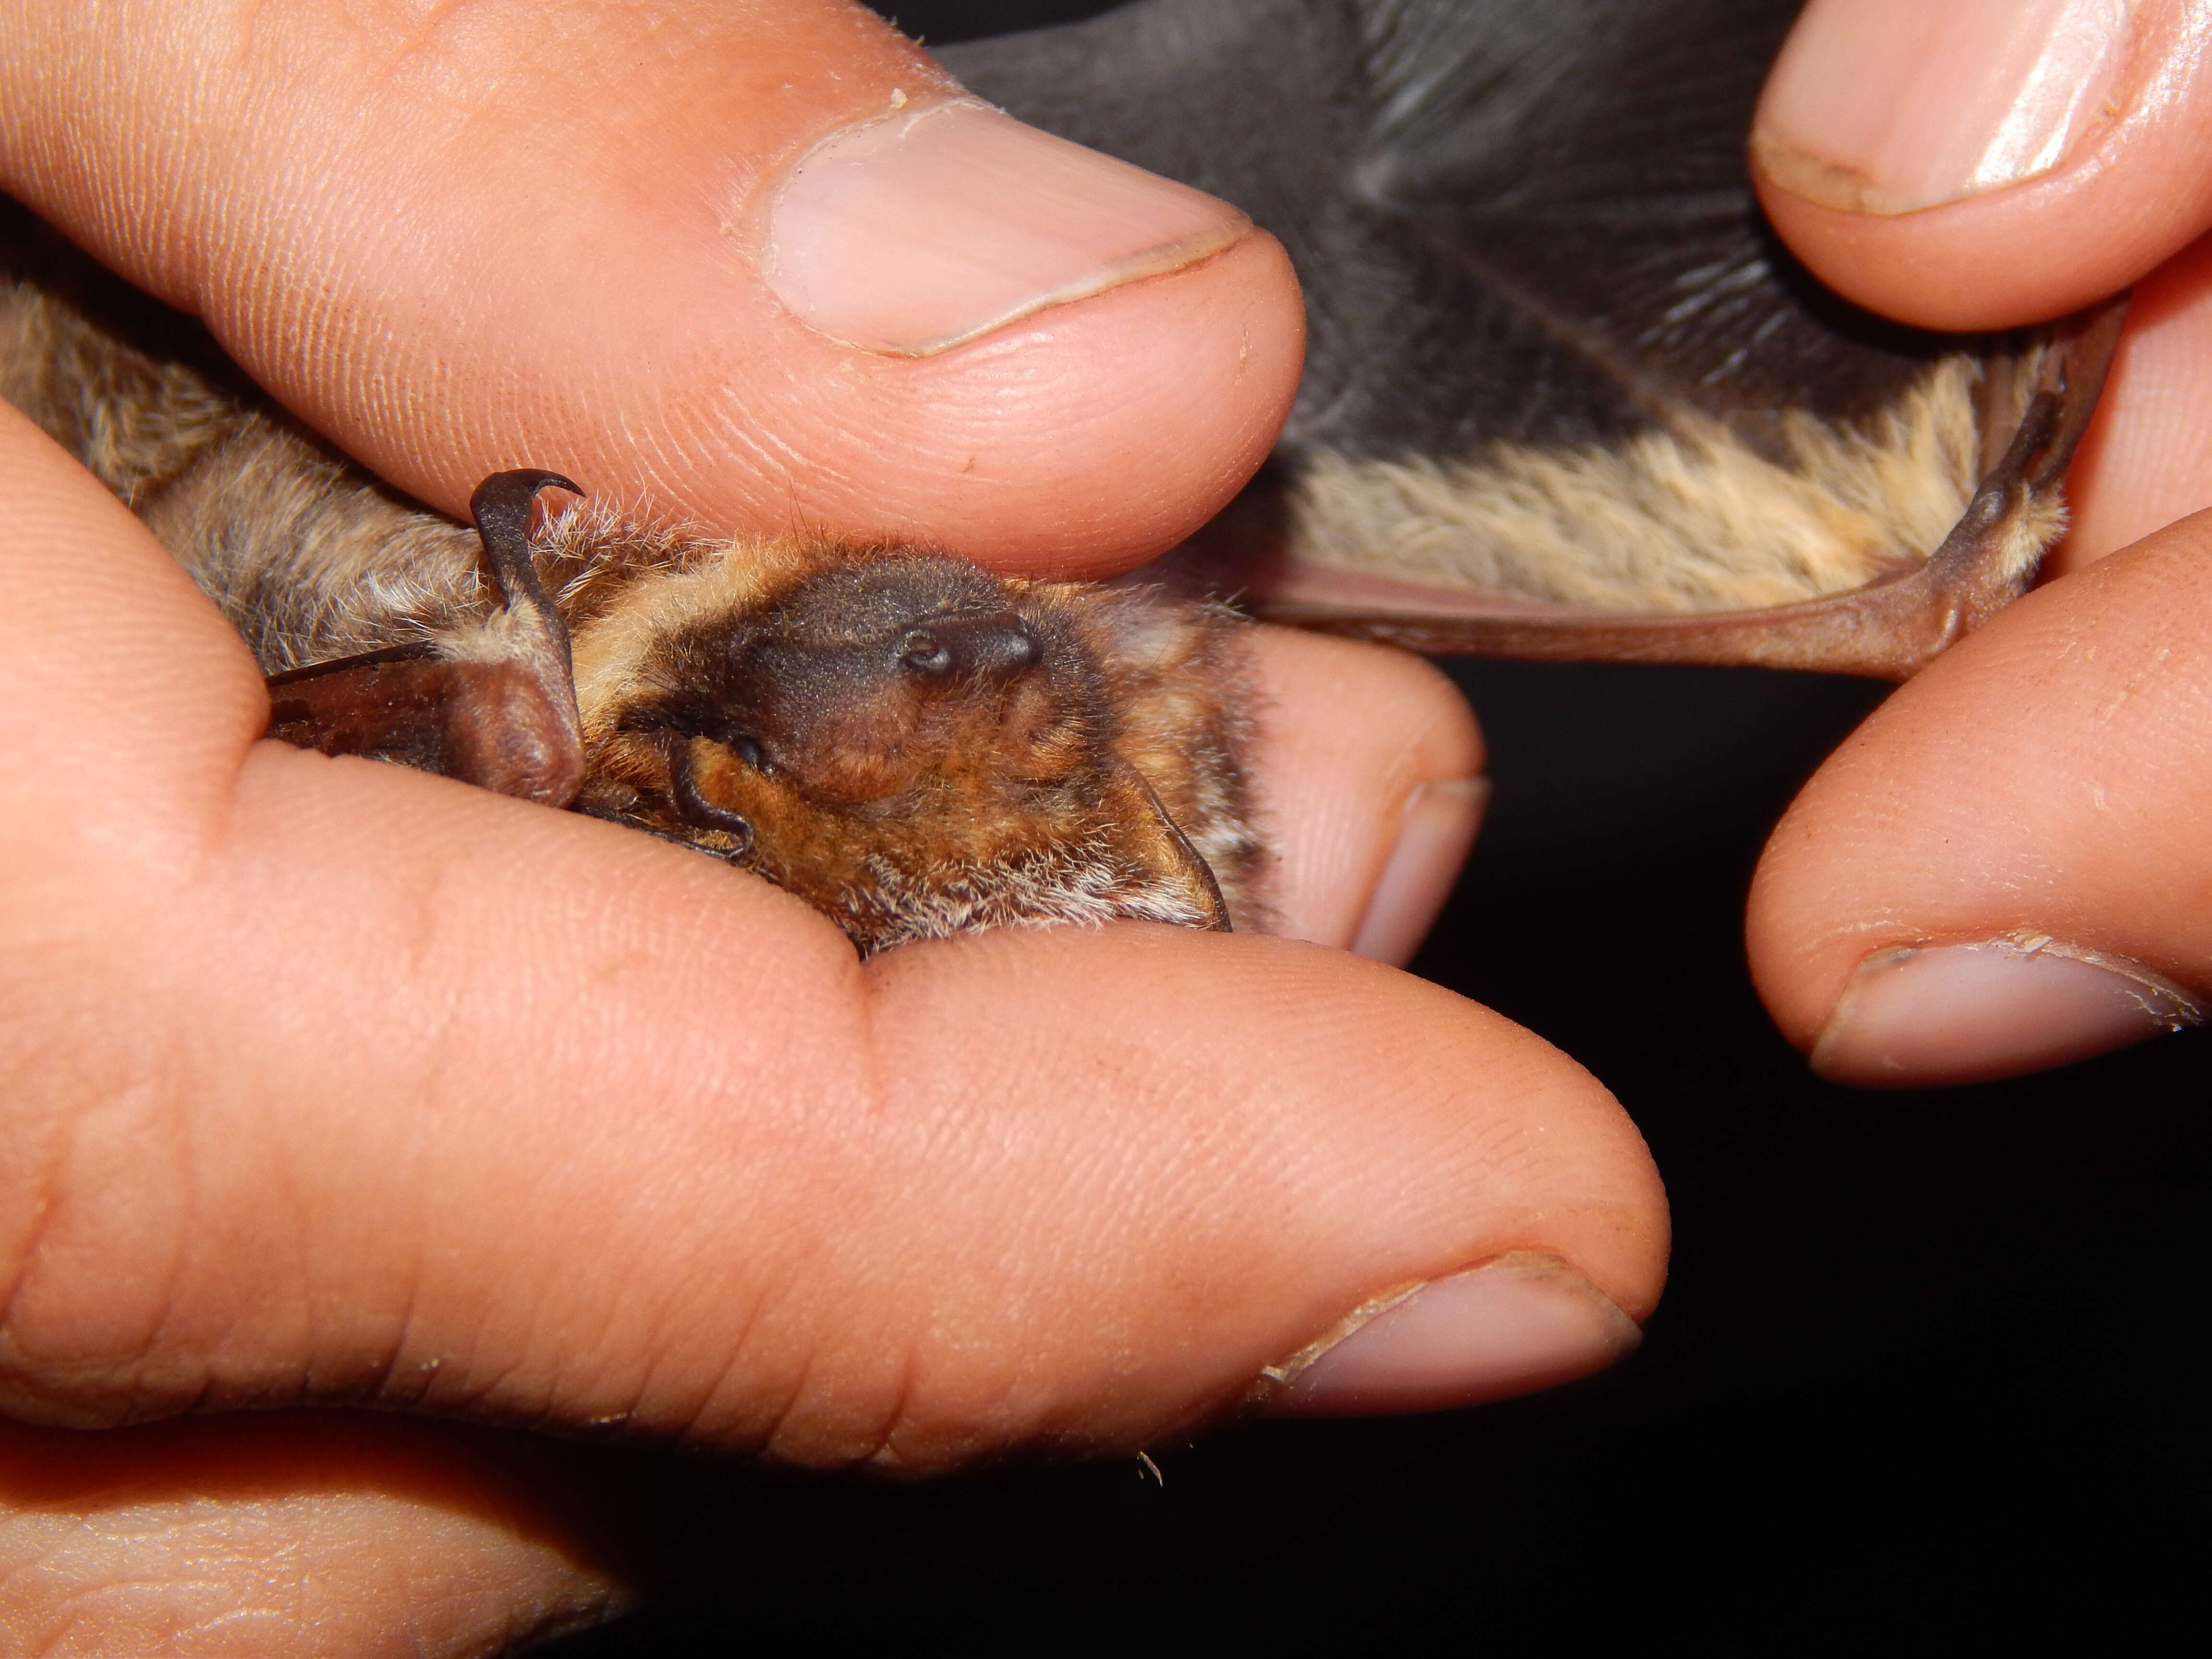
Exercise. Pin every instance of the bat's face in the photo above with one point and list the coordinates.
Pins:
(872, 688)
(881, 726)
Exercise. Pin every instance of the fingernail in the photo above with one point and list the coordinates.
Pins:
(1889, 106)
(920, 231)
(1439, 825)
(1927, 1015)
(1521, 1322)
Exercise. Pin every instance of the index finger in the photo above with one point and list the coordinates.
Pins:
(759, 266)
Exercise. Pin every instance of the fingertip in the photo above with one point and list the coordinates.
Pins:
(1436, 831)
(1368, 771)
(1967, 268)
(2002, 870)
(1989, 164)
(1085, 438)
(1460, 1152)
(1977, 1011)
(1510, 1326)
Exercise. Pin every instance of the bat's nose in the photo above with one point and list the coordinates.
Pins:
(996, 646)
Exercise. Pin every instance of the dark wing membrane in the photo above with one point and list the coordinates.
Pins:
(1558, 367)
(1526, 220)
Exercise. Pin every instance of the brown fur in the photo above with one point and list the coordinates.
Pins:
(914, 807)
(1074, 780)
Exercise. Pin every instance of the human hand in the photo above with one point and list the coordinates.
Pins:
(331, 1083)
(2006, 867)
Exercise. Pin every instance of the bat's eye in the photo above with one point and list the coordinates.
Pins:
(744, 748)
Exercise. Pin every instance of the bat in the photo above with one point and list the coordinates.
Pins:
(914, 746)
(1566, 396)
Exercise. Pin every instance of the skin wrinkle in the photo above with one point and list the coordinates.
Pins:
(772, 1436)
(673, 1412)
(32, 1236)
(137, 1360)
(278, 1189)
(492, 1391)
(221, 1548)
(875, 1445)
(893, 1411)
(244, 1327)
(153, 1340)
(539, 1405)
(387, 1362)
(180, 1267)
(889, 1408)
(630, 1418)
(647, 1386)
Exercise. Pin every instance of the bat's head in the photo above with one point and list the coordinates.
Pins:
(901, 739)
(872, 686)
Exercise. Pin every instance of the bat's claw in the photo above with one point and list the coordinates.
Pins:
(502, 506)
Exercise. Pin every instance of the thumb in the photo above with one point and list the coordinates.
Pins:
(765, 264)
(2004, 869)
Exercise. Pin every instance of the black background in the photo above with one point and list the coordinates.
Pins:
(1926, 1377)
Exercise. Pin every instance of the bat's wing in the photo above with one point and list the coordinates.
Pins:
(494, 705)
(1565, 395)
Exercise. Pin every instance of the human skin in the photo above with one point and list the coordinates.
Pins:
(2005, 868)
(329, 1083)
(2043, 779)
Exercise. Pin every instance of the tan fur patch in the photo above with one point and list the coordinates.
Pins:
(2031, 532)
(1692, 519)
(694, 578)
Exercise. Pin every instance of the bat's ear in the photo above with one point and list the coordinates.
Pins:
(494, 705)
